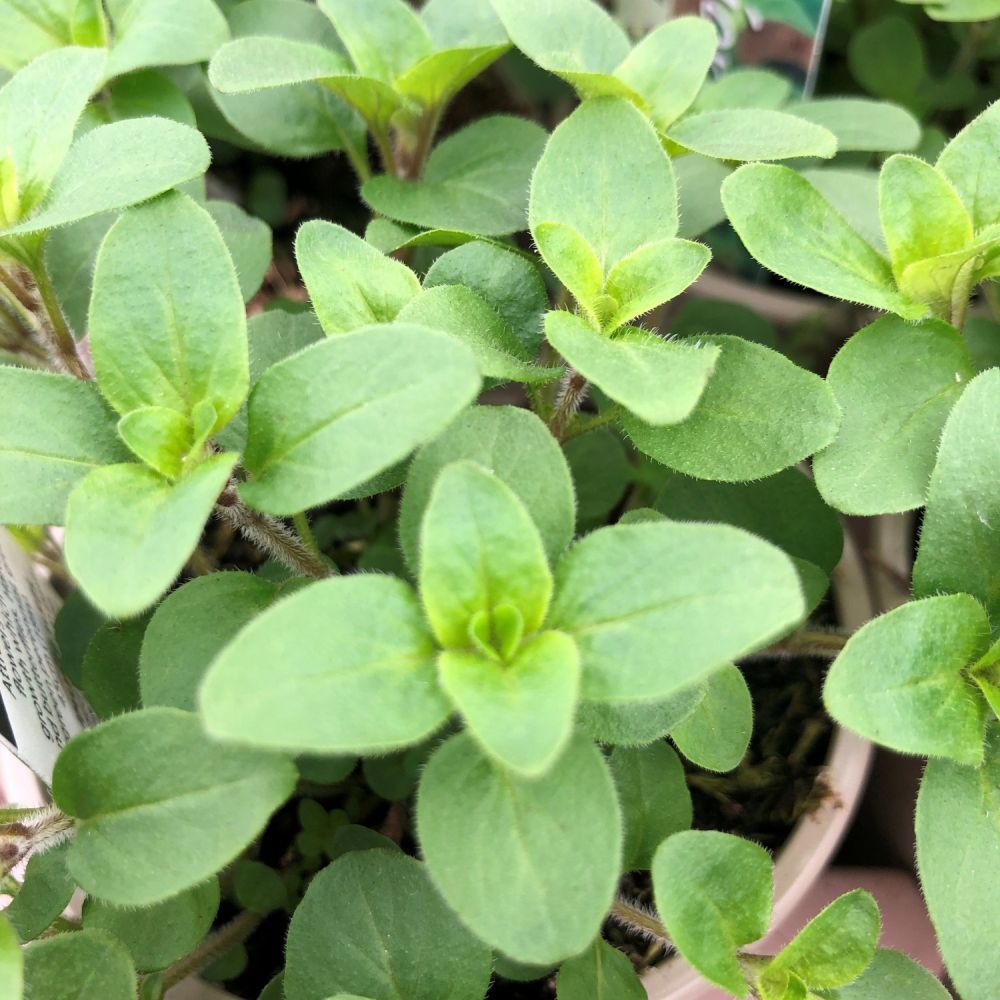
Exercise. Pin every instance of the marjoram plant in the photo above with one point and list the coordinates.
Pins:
(521, 667)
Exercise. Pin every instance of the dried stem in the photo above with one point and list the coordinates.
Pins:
(572, 393)
(641, 919)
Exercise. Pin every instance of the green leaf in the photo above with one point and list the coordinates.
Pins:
(508, 280)
(892, 974)
(752, 134)
(248, 241)
(518, 449)
(54, 429)
(259, 888)
(922, 214)
(601, 474)
(852, 191)
(129, 532)
(575, 263)
(143, 94)
(332, 416)
(110, 670)
(759, 414)
(745, 87)
(709, 593)
(436, 78)
(896, 383)
(887, 57)
(45, 892)
(166, 264)
(79, 966)
(967, 161)
(575, 39)
(582, 168)
(70, 253)
(116, 165)
(459, 311)
(521, 711)
(399, 941)
(600, 973)
(501, 850)
(53, 89)
(367, 645)
(899, 681)
(668, 67)
(713, 892)
(659, 380)
(637, 723)
(792, 229)
(785, 509)
(654, 798)
(479, 552)
(161, 437)
(350, 283)
(835, 947)
(958, 856)
(959, 543)
(697, 316)
(11, 962)
(716, 733)
(190, 627)
(861, 124)
(475, 181)
(982, 337)
(699, 182)
(158, 935)
(145, 832)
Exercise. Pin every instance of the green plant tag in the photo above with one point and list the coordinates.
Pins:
(716, 733)
(881, 460)
(129, 531)
(900, 681)
(330, 417)
(726, 594)
(600, 973)
(145, 832)
(79, 966)
(713, 892)
(54, 429)
(959, 544)
(351, 284)
(654, 798)
(752, 134)
(400, 941)
(368, 645)
(487, 836)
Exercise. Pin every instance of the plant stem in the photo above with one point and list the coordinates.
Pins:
(640, 919)
(233, 933)
(584, 426)
(961, 290)
(301, 523)
(275, 538)
(572, 394)
(384, 146)
(63, 344)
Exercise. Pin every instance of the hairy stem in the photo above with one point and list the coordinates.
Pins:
(301, 522)
(585, 425)
(63, 345)
(961, 290)
(639, 918)
(572, 393)
(233, 933)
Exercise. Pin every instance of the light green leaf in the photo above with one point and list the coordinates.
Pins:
(668, 67)
(367, 645)
(752, 134)
(792, 229)
(129, 532)
(460, 312)
(158, 935)
(958, 856)
(699, 181)
(110, 669)
(350, 283)
(34, 27)
(852, 191)
(248, 241)
(600, 973)
(659, 380)
(167, 325)
(520, 711)
(896, 383)
(709, 593)
(398, 940)
(716, 733)
(861, 124)
(578, 182)
(79, 966)
(945, 282)
(475, 181)
(116, 165)
(574, 261)
(435, 79)
(637, 723)
(70, 253)
(785, 509)
(480, 552)
(145, 93)
(161, 437)
(900, 680)
(330, 417)
(518, 449)
(146, 831)
(654, 798)
(960, 541)
(11, 962)
(45, 892)
(892, 974)
(166, 33)
(922, 214)
(713, 892)
(835, 947)
(745, 87)
(887, 57)
(759, 414)
(190, 627)
(968, 162)
(54, 429)
(503, 852)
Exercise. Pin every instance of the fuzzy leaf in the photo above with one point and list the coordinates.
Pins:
(383, 40)
(752, 134)
(11, 962)
(637, 723)
(110, 669)
(294, 676)
(45, 892)
(248, 241)
(968, 162)
(716, 733)
(601, 474)
(861, 124)
(79, 966)
(891, 974)
(600, 973)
